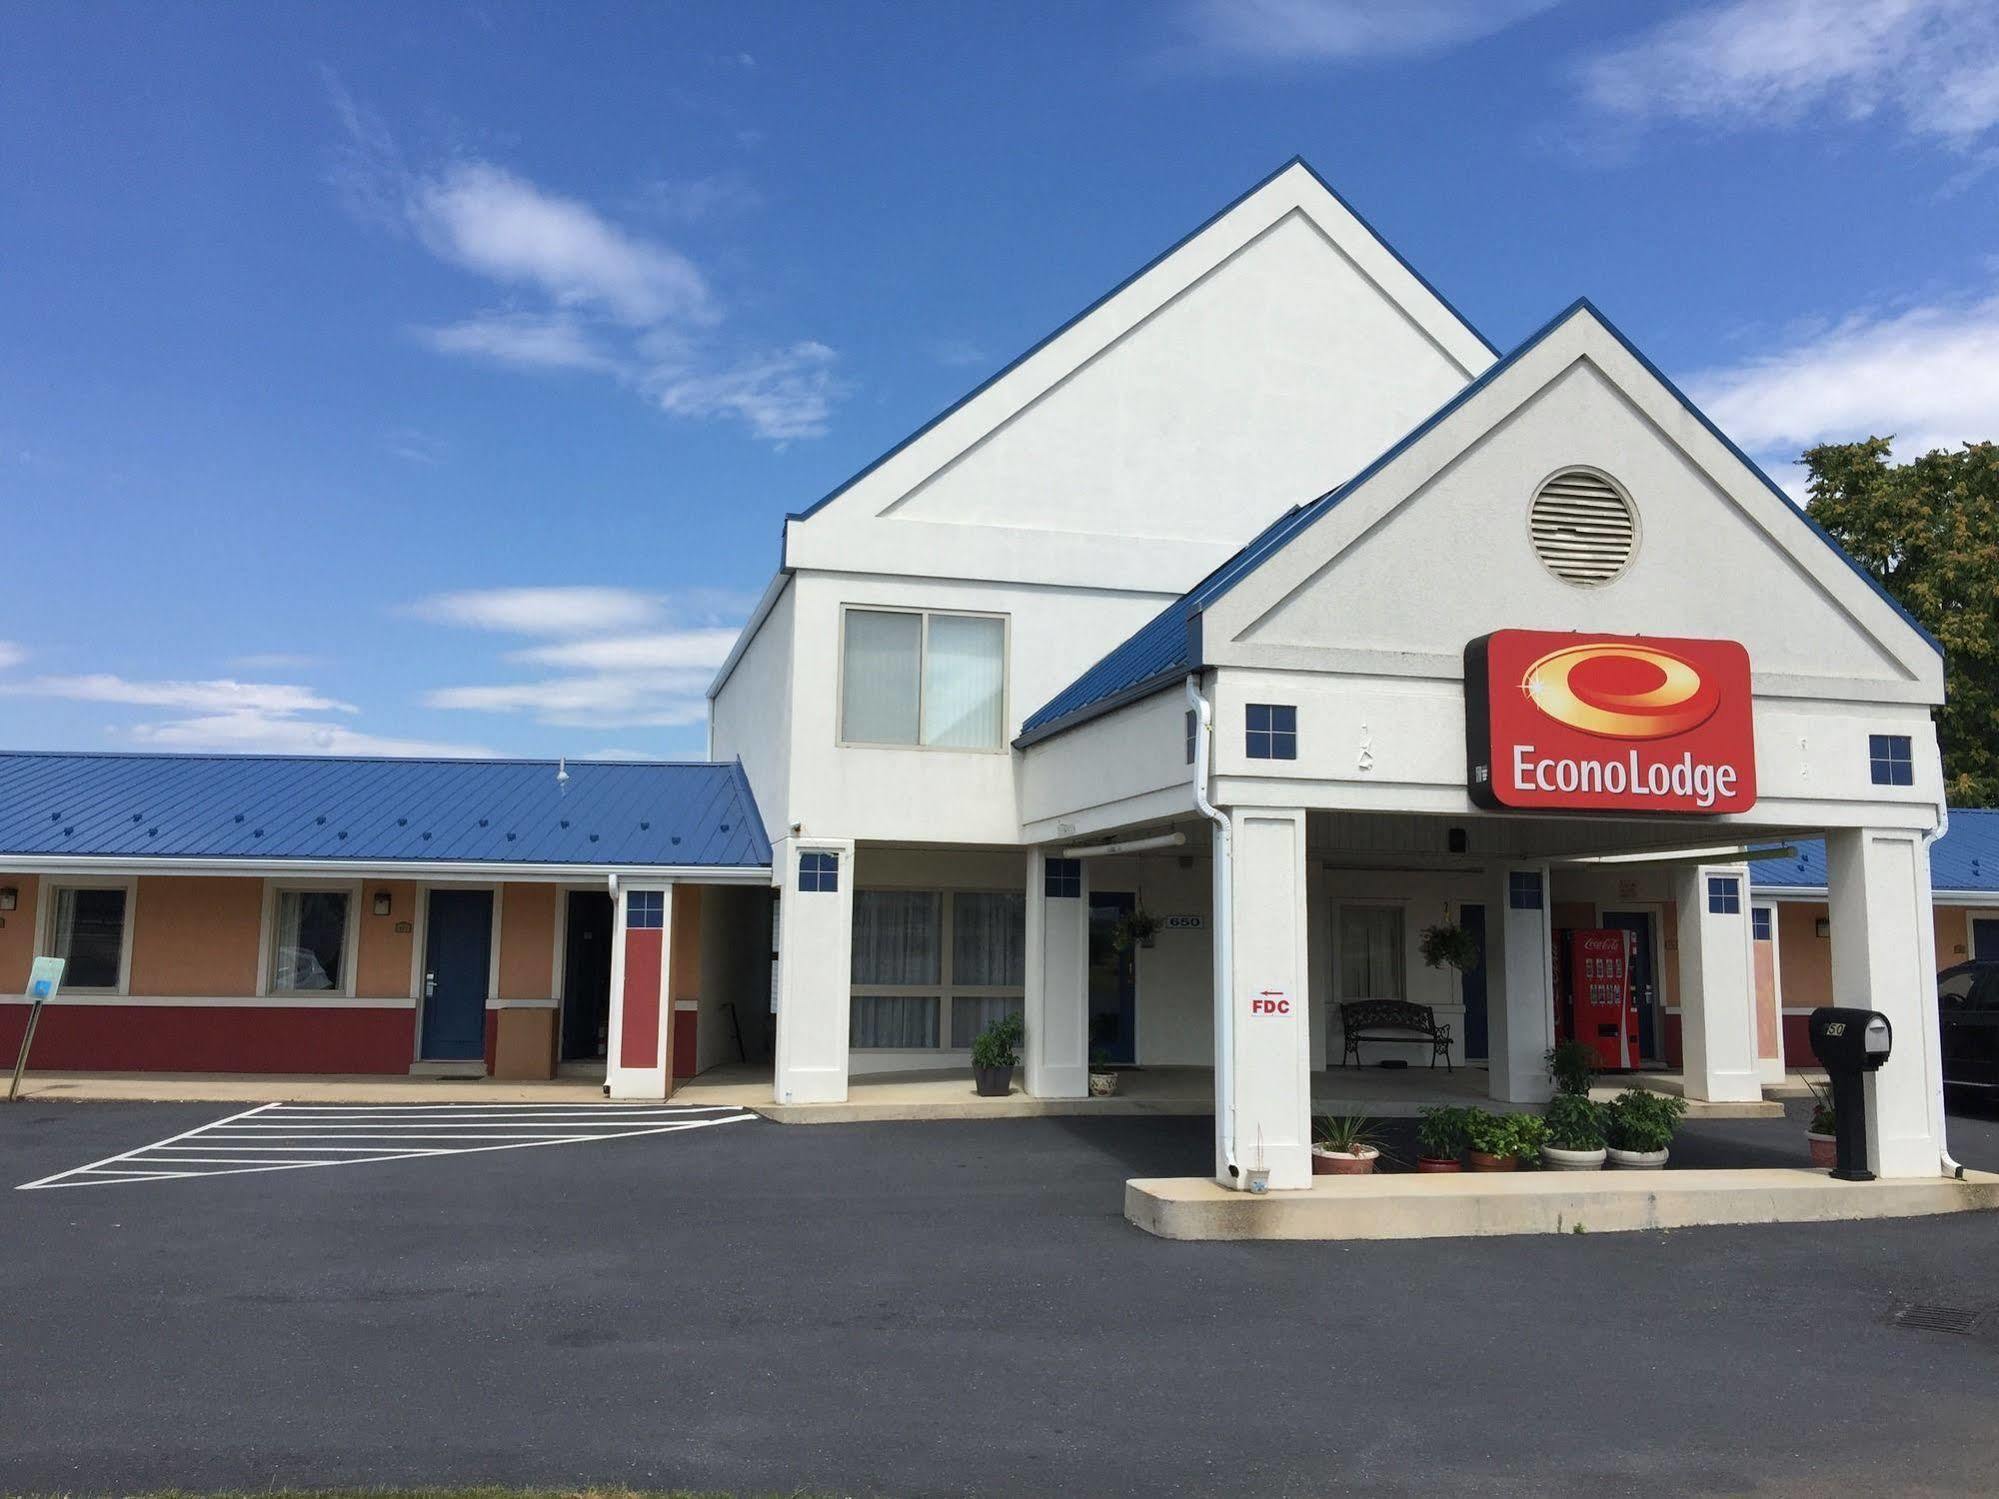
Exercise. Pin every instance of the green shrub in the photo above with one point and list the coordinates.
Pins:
(1518, 1135)
(998, 1045)
(1441, 1131)
(1638, 1119)
(1574, 1123)
(1572, 1065)
(1450, 947)
(1346, 1133)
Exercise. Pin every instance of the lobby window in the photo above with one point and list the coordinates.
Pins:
(1062, 879)
(645, 910)
(1891, 760)
(1523, 890)
(1759, 923)
(90, 927)
(309, 941)
(1724, 895)
(908, 677)
(1272, 731)
(818, 872)
(1370, 957)
(931, 969)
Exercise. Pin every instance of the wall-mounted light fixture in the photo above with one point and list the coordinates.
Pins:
(1823, 927)
(382, 902)
(9, 898)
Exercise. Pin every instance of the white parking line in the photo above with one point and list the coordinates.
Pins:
(289, 1137)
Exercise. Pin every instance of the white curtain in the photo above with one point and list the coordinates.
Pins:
(310, 942)
(1371, 952)
(900, 1021)
(896, 937)
(964, 682)
(988, 940)
(879, 681)
(971, 1014)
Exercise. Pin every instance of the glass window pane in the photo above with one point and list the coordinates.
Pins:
(896, 937)
(878, 680)
(963, 682)
(970, 1015)
(90, 934)
(311, 941)
(1371, 952)
(988, 941)
(889, 1021)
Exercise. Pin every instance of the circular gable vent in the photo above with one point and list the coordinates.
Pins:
(1584, 527)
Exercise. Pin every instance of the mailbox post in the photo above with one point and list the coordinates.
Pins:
(1850, 1044)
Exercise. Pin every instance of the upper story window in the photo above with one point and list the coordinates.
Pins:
(818, 872)
(1062, 878)
(1891, 760)
(1724, 895)
(1272, 731)
(914, 677)
(645, 910)
(1523, 890)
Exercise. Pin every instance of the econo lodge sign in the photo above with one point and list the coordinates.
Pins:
(1621, 723)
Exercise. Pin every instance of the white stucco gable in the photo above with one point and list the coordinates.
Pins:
(1275, 350)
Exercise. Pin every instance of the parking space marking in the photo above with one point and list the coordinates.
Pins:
(291, 1137)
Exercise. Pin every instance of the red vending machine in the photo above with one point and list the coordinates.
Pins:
(1599, 1008)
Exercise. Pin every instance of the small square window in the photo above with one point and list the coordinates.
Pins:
(1062, 879)
(1724, 895)
(1193, 728)
(1759, 923)
(1272, 731)
(818, 872)
(645, 910)
(1891, 760)
(1523, 890)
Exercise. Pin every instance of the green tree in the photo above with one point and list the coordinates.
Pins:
(1929, 531)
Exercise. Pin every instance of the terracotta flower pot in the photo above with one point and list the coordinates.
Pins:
(1344, 1163)
(1438, 1163)
(1825, 1149)
(1480, 1161)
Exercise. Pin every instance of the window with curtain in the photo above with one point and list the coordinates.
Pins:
(309, 942)
(1371, 952)
(932, 969)
(90, 936)
(913, 678)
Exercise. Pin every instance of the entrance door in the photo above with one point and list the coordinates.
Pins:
(586, 976)
(1644, 983)
(457, 964)
(1113, 982)
(1472, 919)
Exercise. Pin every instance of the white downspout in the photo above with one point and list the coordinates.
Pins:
(1950, 1166)
(1204, 735)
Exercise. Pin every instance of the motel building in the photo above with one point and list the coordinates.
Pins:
(1265, 599)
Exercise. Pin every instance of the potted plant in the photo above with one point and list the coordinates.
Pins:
(1823, 1132)
(1345, 1145)
(1103, 1081)
(1440, 1138)
(1639, 1125)
(1448, 946)
(995, 1054)
(1572, 1068)
(1136, 928)
(1575, 1134)
(1499, 1142)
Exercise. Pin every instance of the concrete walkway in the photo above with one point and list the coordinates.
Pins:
(262, 1087)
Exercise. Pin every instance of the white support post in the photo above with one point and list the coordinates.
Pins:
(1717, 984)
(1520, 1018)
(1057, 1048)
(637, 1062)
(814, 968)
(1884, 958)
(1271, 1096)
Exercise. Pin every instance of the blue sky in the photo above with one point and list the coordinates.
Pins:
(412, 379)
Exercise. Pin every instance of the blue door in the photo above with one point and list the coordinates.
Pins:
(1472, 919)
(1113, 982)
(457, 963)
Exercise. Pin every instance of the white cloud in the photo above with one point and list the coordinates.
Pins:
(1934, 63)
(1343, 30)
(524, 340)
(691, 200)
(1929, 376)
(11, 654)
(781, 395)
(222, 695)
(253, 732)
(543, 611)
(610, 700)
(701, 648)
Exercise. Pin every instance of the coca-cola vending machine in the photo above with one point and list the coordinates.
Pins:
(1597, 1006)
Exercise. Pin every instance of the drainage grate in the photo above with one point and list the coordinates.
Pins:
(1959, 1319)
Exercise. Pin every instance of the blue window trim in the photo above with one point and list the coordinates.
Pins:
(1891, 759)
(1724, 895)
(645, 910)
(1270, 731)
(818, 871)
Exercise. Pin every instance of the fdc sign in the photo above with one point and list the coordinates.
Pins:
(1625, 723)
(1270, 1002)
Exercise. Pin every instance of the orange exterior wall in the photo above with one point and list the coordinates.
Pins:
(684, 977)
(387, 942)
(527, 942)
(196, 937)
(17, 933)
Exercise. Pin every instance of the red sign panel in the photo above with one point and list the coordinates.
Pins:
(1609, 723)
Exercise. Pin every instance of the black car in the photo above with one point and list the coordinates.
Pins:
(1968, 999)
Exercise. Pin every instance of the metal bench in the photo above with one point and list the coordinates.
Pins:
(1393, 1020)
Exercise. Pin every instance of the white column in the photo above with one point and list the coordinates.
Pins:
(1717, 984)
(1057, 1050)
(1884, 958)
(1270, 1102)
(1520, 999)
(637, 1058)
(814, 968)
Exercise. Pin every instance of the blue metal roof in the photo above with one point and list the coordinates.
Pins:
(376, 811)
(1169, 646)
(1965, 858)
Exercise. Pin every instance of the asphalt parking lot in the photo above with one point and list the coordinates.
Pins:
(940, 1308)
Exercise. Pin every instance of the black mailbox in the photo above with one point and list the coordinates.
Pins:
(1850, 1043)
